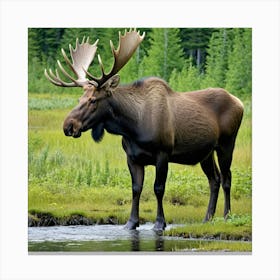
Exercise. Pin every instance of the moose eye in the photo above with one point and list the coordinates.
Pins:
(93, 101)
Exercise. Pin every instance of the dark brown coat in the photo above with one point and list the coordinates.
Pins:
(159, 126)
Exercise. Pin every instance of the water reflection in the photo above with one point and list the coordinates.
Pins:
(109, 238)
(159, 242)
(99, 238)
(136, 240)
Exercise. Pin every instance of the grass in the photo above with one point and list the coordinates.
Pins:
(223, 246)
(69, 176)
(237, 227)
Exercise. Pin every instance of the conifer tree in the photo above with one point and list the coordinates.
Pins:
(194, 43)
(228, 62)
(217, 58)
(186, 80)
(165, 53)
(239, 74)
(34, 45)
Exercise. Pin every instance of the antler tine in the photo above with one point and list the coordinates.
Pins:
(50, 79)
(82, 56)
(128, 44)
(56, 79)
(63, 83)
(66, 74)
(101, 65)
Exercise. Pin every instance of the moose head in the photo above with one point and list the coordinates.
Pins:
(91, 108)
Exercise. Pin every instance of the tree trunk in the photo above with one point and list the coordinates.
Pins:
(198, 58)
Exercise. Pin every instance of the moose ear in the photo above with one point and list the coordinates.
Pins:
(112, 83)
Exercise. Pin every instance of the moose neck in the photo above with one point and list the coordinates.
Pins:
(125, 112)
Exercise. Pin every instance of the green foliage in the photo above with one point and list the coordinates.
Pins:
(217, 58)
(195, 42)
(234, 219)
(190, 58)
(186, 80)
(239, 74)
(165, 53)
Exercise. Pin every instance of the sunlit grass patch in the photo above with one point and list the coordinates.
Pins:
(52, 101)
(237, 227)
(220, 247)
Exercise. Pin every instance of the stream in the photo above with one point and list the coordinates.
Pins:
(107, 238)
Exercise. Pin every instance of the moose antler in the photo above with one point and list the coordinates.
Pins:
(128, 44)
(82, 56)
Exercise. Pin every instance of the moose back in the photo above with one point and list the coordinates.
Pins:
(157, 124)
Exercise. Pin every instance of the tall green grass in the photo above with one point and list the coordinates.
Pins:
(69, 175)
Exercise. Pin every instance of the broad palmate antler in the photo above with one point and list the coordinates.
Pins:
(83, 55)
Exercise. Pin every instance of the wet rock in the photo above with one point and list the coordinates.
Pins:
(47, 220)
(112, 221)
(79, 220)
(32, 221)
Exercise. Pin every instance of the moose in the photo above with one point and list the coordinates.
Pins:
(157, 124)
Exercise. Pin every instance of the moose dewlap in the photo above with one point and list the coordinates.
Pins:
(157, 125)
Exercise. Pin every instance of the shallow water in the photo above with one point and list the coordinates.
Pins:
(106, 238)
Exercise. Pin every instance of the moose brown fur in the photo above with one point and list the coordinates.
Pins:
(159, 126)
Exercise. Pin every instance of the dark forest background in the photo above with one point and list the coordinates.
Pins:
(187, 58)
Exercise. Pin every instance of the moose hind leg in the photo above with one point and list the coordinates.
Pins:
(137, 177)
(225, 159)
(159, 187)
(211, 170)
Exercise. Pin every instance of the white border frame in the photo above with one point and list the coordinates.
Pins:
(17, 16)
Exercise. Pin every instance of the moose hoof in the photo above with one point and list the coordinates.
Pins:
(208, 217)
(159, 226)
(131, 225)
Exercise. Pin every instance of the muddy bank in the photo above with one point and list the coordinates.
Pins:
(47, 219)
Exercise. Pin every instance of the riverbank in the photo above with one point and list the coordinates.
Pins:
(233, 229)
(47, 219)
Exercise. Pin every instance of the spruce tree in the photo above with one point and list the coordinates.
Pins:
(194, 43)
(239, 74)
(34, 44)
(187, 79)
(217, 58)
(165, 53)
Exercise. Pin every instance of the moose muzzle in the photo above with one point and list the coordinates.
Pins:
(72, 127)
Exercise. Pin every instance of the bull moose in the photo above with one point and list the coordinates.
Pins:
(157, 124)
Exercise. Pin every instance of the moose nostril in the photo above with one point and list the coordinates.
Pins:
(68, 130)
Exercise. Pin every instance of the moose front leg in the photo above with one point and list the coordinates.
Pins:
(159, 187)
(137, 176)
